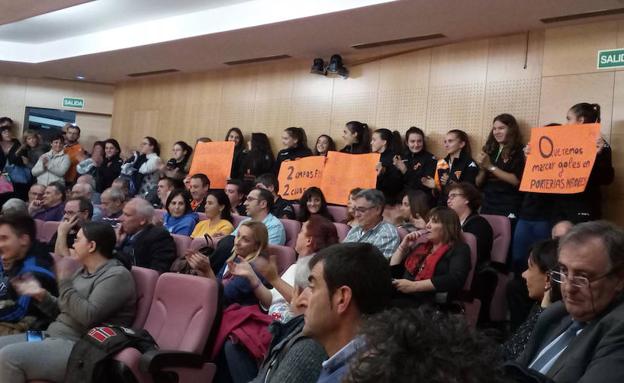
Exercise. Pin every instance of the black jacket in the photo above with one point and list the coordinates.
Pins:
(500, 197)
(390, 179)
(463, 169)
(107, 172)
(421, 164)
(481, 229)
(153, 248)
(11, 156)
(290, 154)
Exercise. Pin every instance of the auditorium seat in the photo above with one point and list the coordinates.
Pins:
(145, 283)
(180, 323)
(285, 256)
(292, 229)
(296, 208)
(237, 219)
(47, 231)
(199, 242)
(338, 212)
(471, 305)
(182, 244)
(343, 230)
(501, 227)
(39, 227)
(202, 216)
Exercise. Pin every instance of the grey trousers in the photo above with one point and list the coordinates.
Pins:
(21, 361)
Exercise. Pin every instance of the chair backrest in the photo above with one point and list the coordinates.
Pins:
(343, 230)
(237, 219)
(199, 242)
(296, 208)
(338, 212)
(180, 320)
(160, 211)
(292, 229)
(285, 256)
(501, 228)
(202, 216)
(471, 241)
(39, 227)
(182, 243)
(47, 231)
(145, 284)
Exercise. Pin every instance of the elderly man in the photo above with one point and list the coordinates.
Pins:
(35, 193)
(83, 190)
(51, 207)
(78, 210)
(581, 338)
(89, 180)
(15, 206)
(368, 209)
(113, 200)
(141, 243)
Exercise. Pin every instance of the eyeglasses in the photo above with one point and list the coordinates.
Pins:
(453, 195)
(362, 209)
(577, 280)
(251, 199)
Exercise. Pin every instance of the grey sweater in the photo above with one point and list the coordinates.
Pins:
(88, 300)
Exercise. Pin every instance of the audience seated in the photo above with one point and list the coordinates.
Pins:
(432, 271)
(313, 202)
(122, 184)
(77, 212)
(258, 204)
(351, 220)
(560, 229)
(281, 208)
(165, 186)
(422, 345)
(102, 291)
(22, 257)
(88, 179)
(347, 282)
(587, 323)
(52, 166)
(235, 191)
(414, 211)
(15, 206)
(180, 218)
(368, 208)
(50, 208)
(199, 186)
(139, 242)
(83, 190)
(218, 222)
(35, 193)
(112, 205)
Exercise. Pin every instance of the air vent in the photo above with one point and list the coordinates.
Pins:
(74, 80)
(398, 41)
(586, 15)
(152, 73)
(257, 60)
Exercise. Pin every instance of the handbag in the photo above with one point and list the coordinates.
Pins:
(18, 174)
(181, 266)
(5, 185)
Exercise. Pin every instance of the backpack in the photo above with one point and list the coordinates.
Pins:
(91, 360)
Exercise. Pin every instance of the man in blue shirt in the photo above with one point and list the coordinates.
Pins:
(347, 281)
(258, 204)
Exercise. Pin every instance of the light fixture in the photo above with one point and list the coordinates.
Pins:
(318, 67)
(80, 77)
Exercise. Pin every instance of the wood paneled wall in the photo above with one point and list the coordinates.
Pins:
(535, 76)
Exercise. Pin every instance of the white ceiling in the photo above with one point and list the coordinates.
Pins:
(15, 10)
(303, 29)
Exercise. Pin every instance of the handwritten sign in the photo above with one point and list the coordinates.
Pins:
(214, 159)
(561, 159)
(298, 175)
(344, 172)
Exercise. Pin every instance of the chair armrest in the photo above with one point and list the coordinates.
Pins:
(157, 360)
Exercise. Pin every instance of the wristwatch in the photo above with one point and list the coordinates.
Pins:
(492, 168)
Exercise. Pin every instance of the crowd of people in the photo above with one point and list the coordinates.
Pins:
(355, 308)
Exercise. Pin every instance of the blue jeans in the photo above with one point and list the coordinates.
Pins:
(525, 235)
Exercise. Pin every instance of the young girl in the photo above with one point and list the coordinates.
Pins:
(416, 161)
(389, 178)
(357, 138)
(324, 144)
(295, 144)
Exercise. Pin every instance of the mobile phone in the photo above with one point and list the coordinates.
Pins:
(34, 336)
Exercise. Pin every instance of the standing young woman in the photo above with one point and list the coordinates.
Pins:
(111, 166)
(236, 135)
(295, 143)
(218, 222)
(324, 144)
(148, 164)
(416, 161)
(501, 164)
(32, 148)
(9, 146)
(357, 138)
(178, 165)
(389, 178)
(259, 159)
(457, 166)
(11, 162)
(586, 206)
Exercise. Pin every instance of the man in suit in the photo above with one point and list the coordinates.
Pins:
(141, 243)
(581, 338)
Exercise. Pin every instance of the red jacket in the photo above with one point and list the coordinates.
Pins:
(246, 325)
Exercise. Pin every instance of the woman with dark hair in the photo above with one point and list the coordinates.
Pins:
(101, 292)
(416, 161)
(295, 143)
(111, 165)
(9, 146)
(414, 210)
(178, 166)
(218, 222)
(457, 166)
(143, 167)
(313, 202)
(259, 159)
(180, 218)
(542, 259)
(501, 163)
(324, 144)
(438, 265)
(236, 135)
(586, 206)
(11, 161)
(389, 178)
(351, 220)
(357, 138)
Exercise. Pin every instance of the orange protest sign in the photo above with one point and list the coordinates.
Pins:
(214, 159)
(298, 175)
(560, 159)
(344, 172)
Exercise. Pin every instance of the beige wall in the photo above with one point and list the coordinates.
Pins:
(94, 119)
(455, 86)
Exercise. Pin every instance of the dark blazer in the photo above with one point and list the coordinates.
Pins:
(153, 248)
(595, 355)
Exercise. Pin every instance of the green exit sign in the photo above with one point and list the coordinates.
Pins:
(611, 58)
(70, 102)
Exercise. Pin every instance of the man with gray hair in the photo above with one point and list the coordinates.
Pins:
(581, 337)
(89, 180)
(113, 200)
(15, 206)
(368, 209)
(84, 190)
(141, 243)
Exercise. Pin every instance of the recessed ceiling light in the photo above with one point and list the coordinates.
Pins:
(79, 77)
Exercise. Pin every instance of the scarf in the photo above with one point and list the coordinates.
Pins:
(421, 262)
